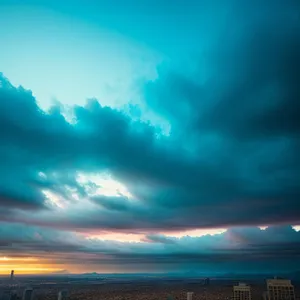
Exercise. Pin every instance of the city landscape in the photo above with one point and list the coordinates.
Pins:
(144, 287)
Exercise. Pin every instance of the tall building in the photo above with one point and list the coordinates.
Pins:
(242, 291)
(28, 294)
(8, 294)
(12, 275)
(280, 289)
(63, 295)
(13, 295)
(189, 296)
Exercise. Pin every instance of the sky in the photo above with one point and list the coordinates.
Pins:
(149, 136)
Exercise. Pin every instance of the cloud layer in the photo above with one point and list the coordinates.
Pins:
(234, 248)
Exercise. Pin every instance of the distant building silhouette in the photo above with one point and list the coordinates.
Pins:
(189, 295)
(28, 294)
(242, 291)
(280, 289)
(63, 295)
(206, 281)
(12, 275)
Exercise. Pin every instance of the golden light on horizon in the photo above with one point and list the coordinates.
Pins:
(21, 259)
(25, 265)
(23, 270)
(27, 268)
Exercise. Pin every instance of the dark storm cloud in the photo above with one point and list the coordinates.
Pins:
(243, 118)
(252, 87)
(101, 139)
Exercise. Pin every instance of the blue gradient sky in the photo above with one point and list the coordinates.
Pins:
(70, 58)
(157, 136)
(74, 50)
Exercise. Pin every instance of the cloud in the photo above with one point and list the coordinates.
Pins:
(235, 247)
(16, 238)
(158, 238)
(251, 80)
(230, 159)
(112, 203)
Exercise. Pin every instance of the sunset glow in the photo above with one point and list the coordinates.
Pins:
(18, 259)
(23, 270)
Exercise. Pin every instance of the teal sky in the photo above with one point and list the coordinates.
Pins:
(70, 59)
(73, 50)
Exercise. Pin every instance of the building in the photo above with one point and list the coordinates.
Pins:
(63, 295)
(12, 275)
(242, 291)
(28, 294)
(5, 294)
(13, 295)
(280, 289)
(189, 296)
(8, 294)
(265, 296)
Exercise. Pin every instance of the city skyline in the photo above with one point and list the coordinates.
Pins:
(149, 137)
